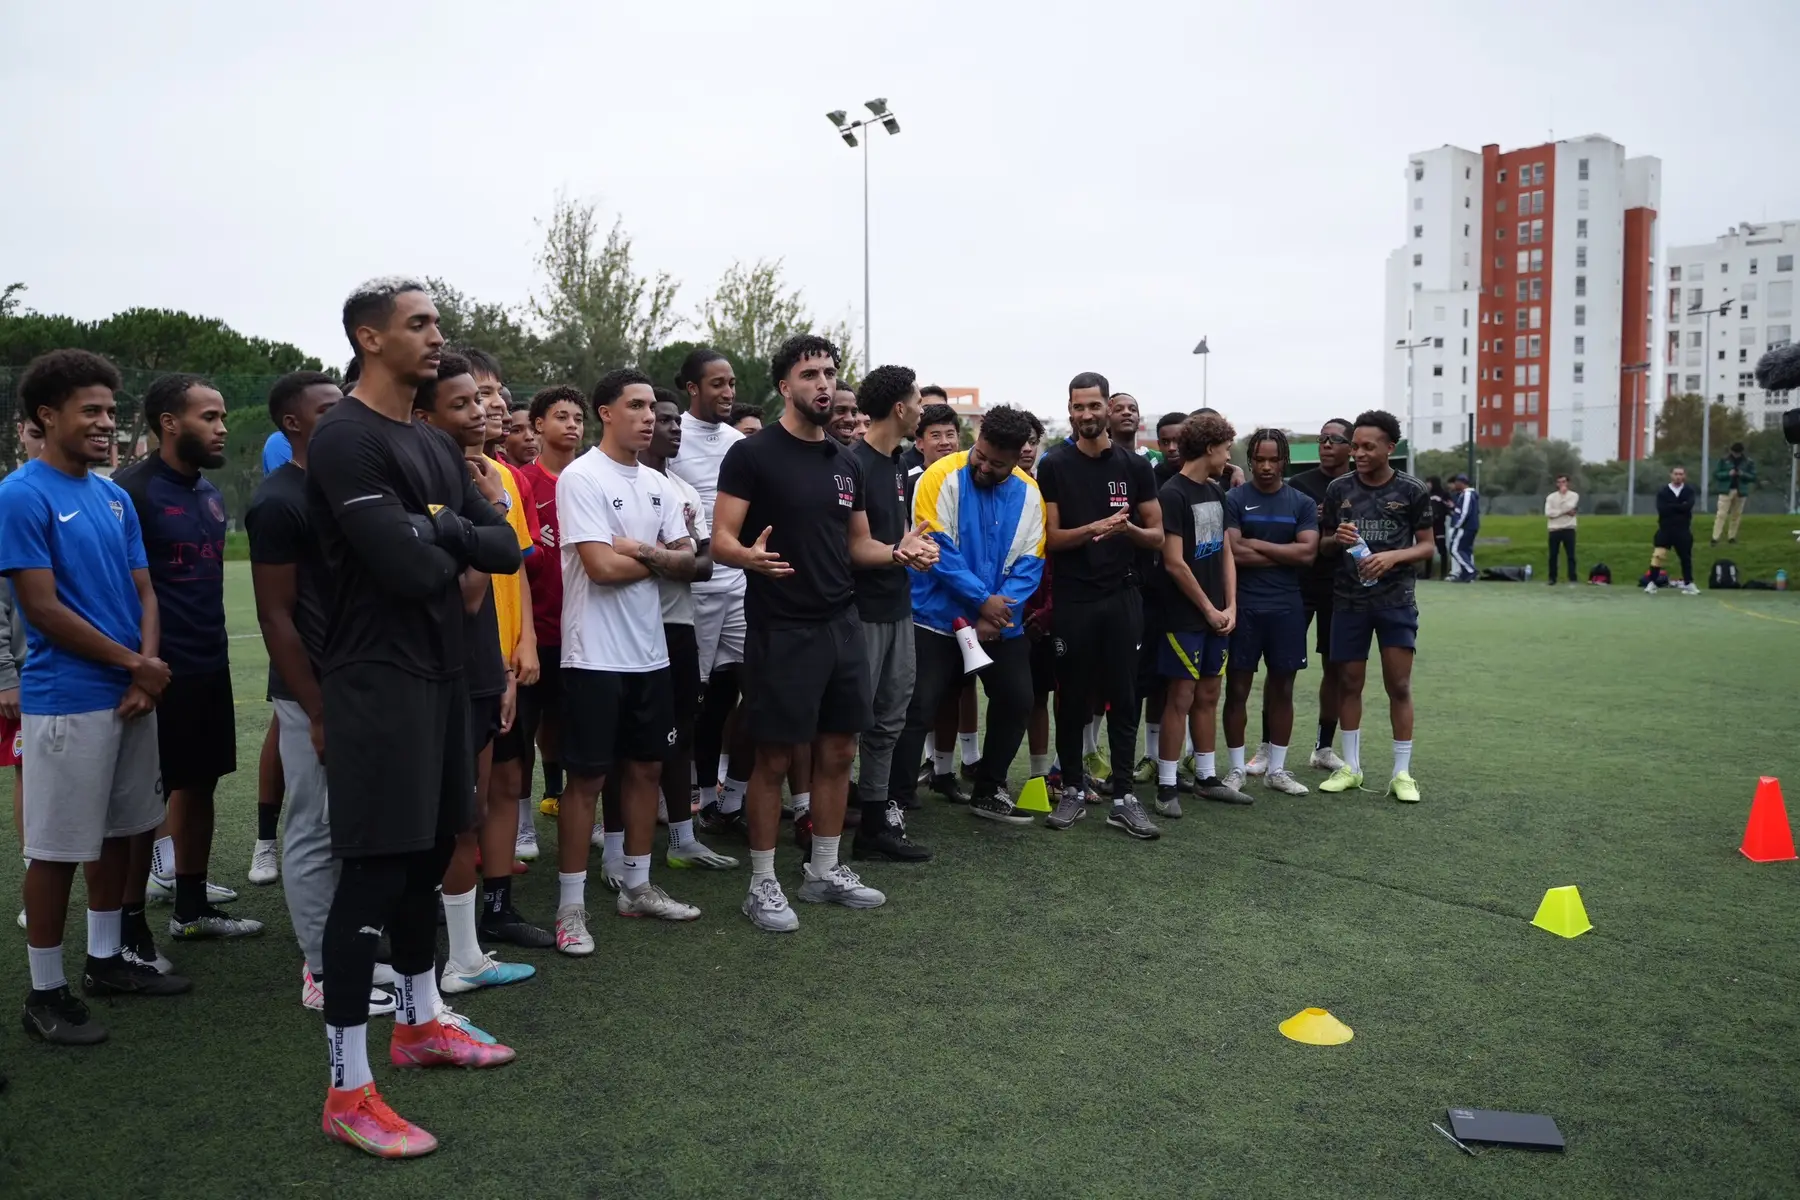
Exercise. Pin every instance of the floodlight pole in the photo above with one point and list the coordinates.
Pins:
(1412, 443)
(1724, 306)
(868, 354)
(880, 114)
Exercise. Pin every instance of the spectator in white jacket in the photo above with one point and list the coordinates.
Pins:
(1559, 512)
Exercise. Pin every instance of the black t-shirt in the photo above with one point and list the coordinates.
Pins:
(280, 535)
(1087, 489)
(1195, 513)
(804, 492)
(1389, 516)
(1315, 583)
(885, 593)
(183, 520)
(360, 457)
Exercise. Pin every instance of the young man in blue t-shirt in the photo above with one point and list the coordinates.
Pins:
(70, 543)
(1273, 531)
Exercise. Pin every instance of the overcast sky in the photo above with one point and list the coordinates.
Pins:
(1077, 187)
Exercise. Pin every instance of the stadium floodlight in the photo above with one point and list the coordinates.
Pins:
(890, 124)
(878, 106)
(836, 117)
(849, 138)
(890, 121)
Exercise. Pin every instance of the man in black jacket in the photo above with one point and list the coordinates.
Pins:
(1674, 521)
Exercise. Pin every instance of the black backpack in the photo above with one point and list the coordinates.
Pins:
(1724, 576)
(1600, 574)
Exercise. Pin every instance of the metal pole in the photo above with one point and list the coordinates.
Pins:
(1412, 466)
(1471, 445)
(868, 353)
(1793, 482)
(1706, 414)
(1205, 359)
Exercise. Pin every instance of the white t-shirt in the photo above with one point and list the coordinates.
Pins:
(612, 627)
(703, 447)
(678, 598)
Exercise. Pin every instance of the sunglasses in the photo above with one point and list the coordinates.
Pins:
(1334, 439)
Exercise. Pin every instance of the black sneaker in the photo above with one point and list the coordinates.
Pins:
(120, 976)
(995, 806)
(713, 819)
(887, 839)
(509, 927)
(1168, 801)
(1128, 814)
(946, 786)
(60, 1018)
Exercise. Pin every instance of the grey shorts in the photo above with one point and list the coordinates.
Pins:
(718, 629)
(88, 777)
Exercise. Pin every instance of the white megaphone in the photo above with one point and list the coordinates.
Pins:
(974, 657)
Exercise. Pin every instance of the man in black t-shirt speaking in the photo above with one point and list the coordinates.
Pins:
(791, 511)
(1315, 594)
(1101, 509)
(398, 519)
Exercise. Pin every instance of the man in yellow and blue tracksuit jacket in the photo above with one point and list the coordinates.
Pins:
(988, 519)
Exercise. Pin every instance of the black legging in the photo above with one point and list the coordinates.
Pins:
(1097, 644)
(1563, 539)
(395, 892)
(709, 727)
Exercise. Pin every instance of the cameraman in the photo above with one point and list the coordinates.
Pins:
(1733, 478)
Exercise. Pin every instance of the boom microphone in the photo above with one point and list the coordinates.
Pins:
(1779, 371)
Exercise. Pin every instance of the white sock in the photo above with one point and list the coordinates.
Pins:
(681, 832)
(1402, 757)
(349, 1056)
(732, 798)
(824, 855)
(637, 870)
(802, 804)
(1352, 739)
(1187, 741)
(571, 889)
(931, 747)
(459, 923)
(1090, 736)
(525, 825)
(1040, 764)
(1152, 739)
(417, 998)
(1165, 771)
(943, 762)
(1277, 757)
(612, 845)
(762, 863)
(724, 767)
(162, 858)
(1236, 756)
(1206, 765)
(46, 967)
(103, 933)
(969, 744)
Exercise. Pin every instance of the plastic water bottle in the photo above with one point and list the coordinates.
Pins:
(1781, 580)
(1359, 551)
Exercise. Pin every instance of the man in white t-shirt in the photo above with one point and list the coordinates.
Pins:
(622, 530)
(706, 376)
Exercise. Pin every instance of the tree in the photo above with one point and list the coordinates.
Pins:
(752, 311)
(1678, 425)
(9, 299)
(153, 339)
(597, 311)
(495, 328)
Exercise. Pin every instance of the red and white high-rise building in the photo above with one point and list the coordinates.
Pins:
(1525, 288)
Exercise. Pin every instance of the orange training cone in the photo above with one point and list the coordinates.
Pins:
(1768, 838)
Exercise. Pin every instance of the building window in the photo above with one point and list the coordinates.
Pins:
(1747, 336)
(1746, 378)
(1465, 326)
(1743, 311)
(1465, 370)
(1537, 202)
(1499, 206)
(1781, 299)
(1519, 404)
(1418, 260)
(1500, 233)
(1580, 344)
(1519, 375)
(1519, 347)
(1418, 231)
(1581, 256)
(1437, 370)
(1752, 266)
(1675, 272)
(1581, 285)
(1417, 286)
(1537, 172)
(1580, 373)
(1581, 199)
(1437, 399)
(1524, 231)
(1437, 343)
(1724, 268)
(1524, 263)
(1537, 343)
(1532, 376)
(1437, 313)
(1501, 178)
(1577, 403)
(1521, 289)
(1743, 355)
(1522, 316)
(1537, 231)
(1537, 260)
(1437, 427)
(1696, 297)
(1581, 169)
(1537, 317)
(1779, 335)
(1696, 271)
(1419, 171)
(1694, 339)
(1537, 289)
(1575, 430)
(1465, 231)
(1581, 227)
(1784, 262)
(1692, 384)
(1747, 292)
(1581, 314)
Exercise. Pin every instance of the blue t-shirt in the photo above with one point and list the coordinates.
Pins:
(183, 522)
(1280, 519)
(276, 450)
(86, 532)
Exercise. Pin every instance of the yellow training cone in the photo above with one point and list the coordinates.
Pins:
(1562, 912)
(1315, 1027)
(1034, 796)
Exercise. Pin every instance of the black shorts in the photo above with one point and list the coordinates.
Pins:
(804, 680)
(541, 698)
(1672, 539)
(196, 730)
(684, 675)
(1318, 610)
(399, 760)
(1043, 666)
(484, 721)
(613, 716)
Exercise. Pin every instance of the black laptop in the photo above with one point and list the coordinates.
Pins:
(1485, 1126)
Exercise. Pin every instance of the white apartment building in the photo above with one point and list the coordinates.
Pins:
(1728, 301)
(1523, 290)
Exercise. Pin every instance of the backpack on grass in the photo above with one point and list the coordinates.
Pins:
(1600, 574)
(1724, 576)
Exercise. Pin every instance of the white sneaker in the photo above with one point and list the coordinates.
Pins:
(1234, 779)
(698, 854)
(1649, 589)
(525, 849)
(572, 936)
(1282, 780)
(162, 887)
(651, 901)
(264, 866)
(487, 972)
(1324, 758)
(612, 873)
(767, 906)
(381, 1004)
(21, 918)
(1259, 762)
(1690, 589)
(840, 885)
(597, 838)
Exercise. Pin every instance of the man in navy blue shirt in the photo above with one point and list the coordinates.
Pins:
(70, 544)
(1273, 531)
(182, 516)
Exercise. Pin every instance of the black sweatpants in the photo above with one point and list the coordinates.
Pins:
(940, 673)
(395, 892)
(1563, 539)
(1096, 659)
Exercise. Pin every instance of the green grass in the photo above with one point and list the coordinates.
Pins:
(1038, 1014)
(1623, 543)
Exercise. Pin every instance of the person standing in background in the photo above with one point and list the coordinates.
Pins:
(1465, 523)
(1733, 477)
(1559, 511)
(1674, 531)
(1441, 505)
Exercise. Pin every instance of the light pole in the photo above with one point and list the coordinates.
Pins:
(878, 111)
(1705, 399)
(1412, 445)
(1636, 371)
(1204, 354)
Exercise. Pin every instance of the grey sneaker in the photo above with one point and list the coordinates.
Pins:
(1168, 802)
(840, 885)
(1234, 779)
(767, 906)
(1259, 762)
(1282, 780)
(1324, 758)
(651, 901)
(212, 923)
(1128, 814)
(1070, 808)
(1214, 788)
(998, 807)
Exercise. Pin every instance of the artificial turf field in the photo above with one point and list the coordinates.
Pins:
(1042, 1014)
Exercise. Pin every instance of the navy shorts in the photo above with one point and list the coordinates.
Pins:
(1278, 638)
(1194, 655)
(1393, 628)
